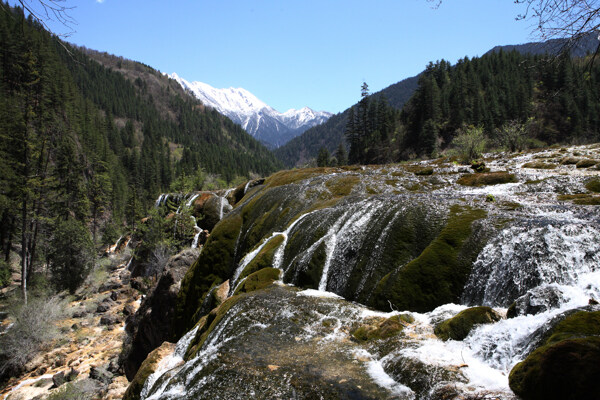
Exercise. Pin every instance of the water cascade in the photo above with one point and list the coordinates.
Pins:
(383, 237)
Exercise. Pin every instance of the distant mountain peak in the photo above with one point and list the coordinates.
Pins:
(256, 117)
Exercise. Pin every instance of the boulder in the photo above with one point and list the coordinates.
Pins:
(152, 324)
(101, 374)
(566, 365)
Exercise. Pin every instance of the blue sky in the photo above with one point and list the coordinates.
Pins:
(292, 54)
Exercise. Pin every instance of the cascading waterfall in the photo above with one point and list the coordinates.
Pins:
(197, 235)
(277, 259)
(523, 257)
(532, 262)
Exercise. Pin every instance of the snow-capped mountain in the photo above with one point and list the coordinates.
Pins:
(257, 118)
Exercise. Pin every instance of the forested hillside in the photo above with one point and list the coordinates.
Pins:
(303, 149)
(86, 146)
(530, 99)
(551, 102)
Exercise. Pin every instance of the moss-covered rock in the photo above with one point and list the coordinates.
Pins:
(264, 258)
(586, 163)
(438, 275)
(259, 280)
(424, 171)
(382, 329)
(567, 370)
(491, 178)
(146, 369)
(458, 327)
(214, 266)
(566, 365)
(539, 165)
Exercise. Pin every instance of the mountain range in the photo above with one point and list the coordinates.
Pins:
(262, 121)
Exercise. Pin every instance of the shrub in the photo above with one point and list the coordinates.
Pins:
(512, 136)
(31, 332)
(469, 143)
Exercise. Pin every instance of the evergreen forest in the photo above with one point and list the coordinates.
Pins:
(88, 141)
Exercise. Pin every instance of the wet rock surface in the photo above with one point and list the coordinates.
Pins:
(152, 324)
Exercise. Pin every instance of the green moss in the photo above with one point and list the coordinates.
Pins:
(566, 365)
(264, 258)
(567, 370)
(458, 327)
(259, 280)
(539, 165)
(214, 265)
(580, 324)
(593, 185)
(534, 181)
(492, 178)
(342, 186)
(437, 276)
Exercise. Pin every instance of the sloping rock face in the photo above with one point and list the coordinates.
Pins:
(394, 239)
(152, 324)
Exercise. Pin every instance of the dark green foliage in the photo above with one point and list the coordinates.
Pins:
(566, 365)
(71, 254)
(95, 138)
(323, 157)
(438, 275)
(298, 151)
(459, 326)
(514, 98)
(370, 129)
(341, 155)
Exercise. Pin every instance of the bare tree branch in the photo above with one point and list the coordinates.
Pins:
(44, 11)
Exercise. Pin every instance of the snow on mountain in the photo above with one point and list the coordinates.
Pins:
(257, 118)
